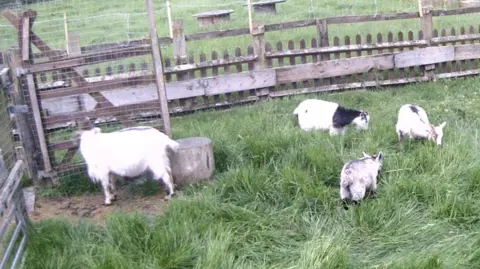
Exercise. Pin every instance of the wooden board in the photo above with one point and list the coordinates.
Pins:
(222, 84)
(424, 56)
(92, 58)
(333, 68)
(467, 52)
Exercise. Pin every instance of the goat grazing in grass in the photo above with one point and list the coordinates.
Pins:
(314, 114)
(359, 176)
(129, 152)
(413, 122)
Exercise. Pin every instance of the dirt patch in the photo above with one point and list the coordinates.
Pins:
(91, 206)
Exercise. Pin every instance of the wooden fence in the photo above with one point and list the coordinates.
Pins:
(66, 91)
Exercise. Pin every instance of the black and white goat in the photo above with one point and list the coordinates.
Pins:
(413, 122)
(359, 176)
(129, 152)
(315, 114)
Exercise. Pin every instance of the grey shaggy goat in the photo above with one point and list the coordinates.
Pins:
(359, 176)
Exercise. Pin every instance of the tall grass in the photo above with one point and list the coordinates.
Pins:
(274, 202)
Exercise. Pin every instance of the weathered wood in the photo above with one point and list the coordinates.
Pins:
(34, 103)
(127, 111)
(268, 6)
(426, 22)
(193, 161)
(158, 66)
(348, 48)
(467, 73)
(213, 17)
(179, 42)
(447, 39)
(458, 11)
(258, 33)
(25, 38)
(290, 25)
(347, 86)
(212, 63)
(425, 56)
(87, 59)
(223, 84)
(334, 68)
(467, 52)
(371, 18)
(217, 34)
(22, 121)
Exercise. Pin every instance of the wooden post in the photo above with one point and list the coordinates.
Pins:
(38, 123)
(179, 42)
(25, 33)
(169, 16)
(258, 34)
(157, 58)
(67, 42)
(76, 50)
(179, 46)
(250, 20)
(426, 24)
(28, 151)
(322, 33)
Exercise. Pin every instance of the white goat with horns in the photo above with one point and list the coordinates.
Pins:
(413, 122)
(128, 152)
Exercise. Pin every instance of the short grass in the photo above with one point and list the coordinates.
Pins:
(274, 202)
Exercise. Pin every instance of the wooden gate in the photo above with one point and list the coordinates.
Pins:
(15, 223)
(31, 68)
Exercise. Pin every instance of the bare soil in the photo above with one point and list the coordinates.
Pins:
(91, 206)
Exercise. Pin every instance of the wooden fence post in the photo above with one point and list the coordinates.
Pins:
(258, 34)
(426, 24)
(158, 65)
(27, 152)
(179, 43)
(179, 46)
(322, 33)
(76, 50)
(27, 18)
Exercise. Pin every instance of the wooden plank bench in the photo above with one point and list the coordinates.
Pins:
(213, 17)
(267, 6)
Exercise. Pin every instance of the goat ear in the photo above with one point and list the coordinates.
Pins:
(442, 125)
(365, 154)
(380, 156)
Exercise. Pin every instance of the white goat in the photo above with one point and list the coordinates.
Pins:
(129, 152)
(359, 176)
(314, 114)
(413, 122)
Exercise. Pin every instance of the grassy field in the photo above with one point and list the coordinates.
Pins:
(274, 202)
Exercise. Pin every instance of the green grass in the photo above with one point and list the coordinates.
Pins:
(274, 202)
